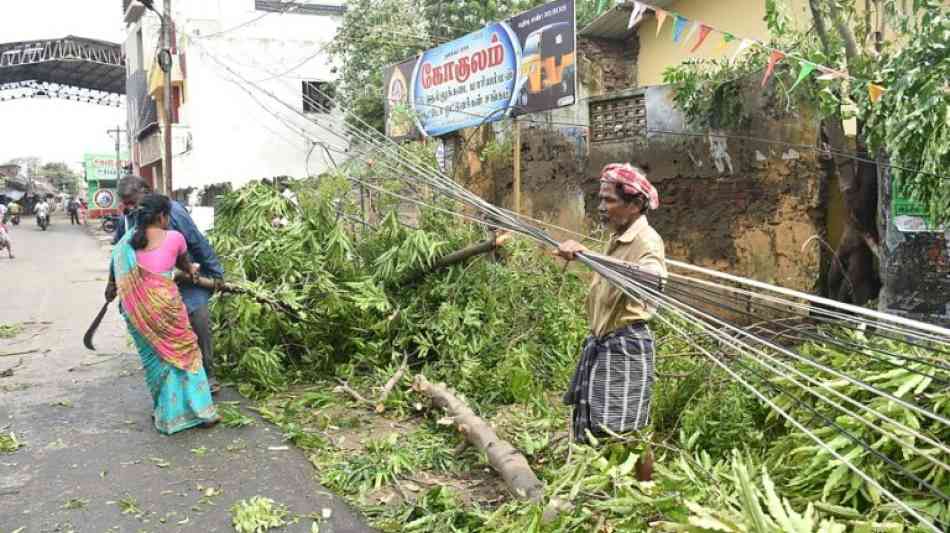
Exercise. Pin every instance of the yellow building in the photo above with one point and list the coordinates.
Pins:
(744, 19)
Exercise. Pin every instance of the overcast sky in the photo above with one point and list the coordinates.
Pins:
(58, 130)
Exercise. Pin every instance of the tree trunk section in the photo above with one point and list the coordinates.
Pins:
(502, 456)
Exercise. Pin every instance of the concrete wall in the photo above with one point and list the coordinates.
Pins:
(736, 205)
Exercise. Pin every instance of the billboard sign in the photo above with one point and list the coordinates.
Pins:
(100, 167)
(522, 65)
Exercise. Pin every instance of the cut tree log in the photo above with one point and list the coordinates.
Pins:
(459, 256)
(502, 456)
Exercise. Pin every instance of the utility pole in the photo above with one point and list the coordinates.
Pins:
(118, 158)
(167, 48)
(516, 160)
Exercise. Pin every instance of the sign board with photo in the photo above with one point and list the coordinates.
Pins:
(522, 65)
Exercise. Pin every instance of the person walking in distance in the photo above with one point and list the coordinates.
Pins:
(131, 190)
(73, 209)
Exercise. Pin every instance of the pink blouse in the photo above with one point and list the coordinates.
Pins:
(163, 258)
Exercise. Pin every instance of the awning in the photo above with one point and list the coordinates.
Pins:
(13, 194)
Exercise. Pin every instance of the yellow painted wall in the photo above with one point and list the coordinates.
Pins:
(742, 18)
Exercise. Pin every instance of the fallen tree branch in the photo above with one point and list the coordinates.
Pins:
(459, 256)
(388, 387)
(345, 387)
(503, 457)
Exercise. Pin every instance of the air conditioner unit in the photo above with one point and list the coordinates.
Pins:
(134, 12)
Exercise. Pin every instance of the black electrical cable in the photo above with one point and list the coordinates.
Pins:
(844, 432)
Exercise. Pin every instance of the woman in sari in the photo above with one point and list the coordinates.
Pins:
(143, 264)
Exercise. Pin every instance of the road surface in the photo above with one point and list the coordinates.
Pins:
(92, 462)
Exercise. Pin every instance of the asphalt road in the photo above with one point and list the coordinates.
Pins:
(92, 462)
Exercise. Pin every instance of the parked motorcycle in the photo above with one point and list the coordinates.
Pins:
(43, 221)
(109, 223)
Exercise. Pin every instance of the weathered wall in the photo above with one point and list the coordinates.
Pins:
(736, 205)
(915, 266)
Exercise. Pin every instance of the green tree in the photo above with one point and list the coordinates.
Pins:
(61, 176)
(909, 123)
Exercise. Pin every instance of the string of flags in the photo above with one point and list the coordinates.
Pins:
(701, 31)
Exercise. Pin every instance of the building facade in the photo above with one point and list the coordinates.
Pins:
(248, 77)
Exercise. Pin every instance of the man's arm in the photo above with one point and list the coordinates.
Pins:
(198, 245)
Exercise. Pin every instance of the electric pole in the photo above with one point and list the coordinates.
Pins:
(167, 48)
(118, 158)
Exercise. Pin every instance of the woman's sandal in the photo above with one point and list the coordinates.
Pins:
(211, 423)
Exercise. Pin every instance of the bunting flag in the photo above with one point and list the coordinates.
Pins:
(807, 68)
(774, 58)
(703, 33)
(637, 14)
(743, 46)
(875, 92)
(691, 32)
(660, 19)
(679, 24)
(726, 39)
(830, 74)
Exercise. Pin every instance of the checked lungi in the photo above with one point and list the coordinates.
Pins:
(613, 384)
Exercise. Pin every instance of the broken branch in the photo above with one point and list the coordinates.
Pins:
(356, 396)
(503, 457)
(388, 387)
(460, 256)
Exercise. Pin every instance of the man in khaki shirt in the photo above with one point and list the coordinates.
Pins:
(612, 386)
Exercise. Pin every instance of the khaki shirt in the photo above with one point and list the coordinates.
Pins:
(608, 308)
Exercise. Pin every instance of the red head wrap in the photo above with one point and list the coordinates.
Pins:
(632, 180)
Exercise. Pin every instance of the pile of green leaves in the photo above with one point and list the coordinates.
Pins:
(505, 333)
(257, 515)
(498, 331)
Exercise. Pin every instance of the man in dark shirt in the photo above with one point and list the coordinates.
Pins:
(131, 190)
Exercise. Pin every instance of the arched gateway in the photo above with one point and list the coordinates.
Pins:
(72, 68)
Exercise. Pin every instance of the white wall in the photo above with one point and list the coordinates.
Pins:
(235, 136)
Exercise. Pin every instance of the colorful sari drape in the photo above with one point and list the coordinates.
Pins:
(158, 322)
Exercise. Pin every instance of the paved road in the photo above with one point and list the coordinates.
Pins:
(92, 461)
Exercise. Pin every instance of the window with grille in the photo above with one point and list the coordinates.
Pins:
(618, 119)
(317, 96)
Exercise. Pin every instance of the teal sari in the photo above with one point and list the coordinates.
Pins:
(158, 322)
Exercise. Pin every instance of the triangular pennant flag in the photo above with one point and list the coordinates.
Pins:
(636, 14)
(830, 74)
(743, 46)
(774, 58)
(703, 33)
(726, 39)
(679, 24)
(875, 92)
(807, 68)
(690, 33)
(660, 19)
